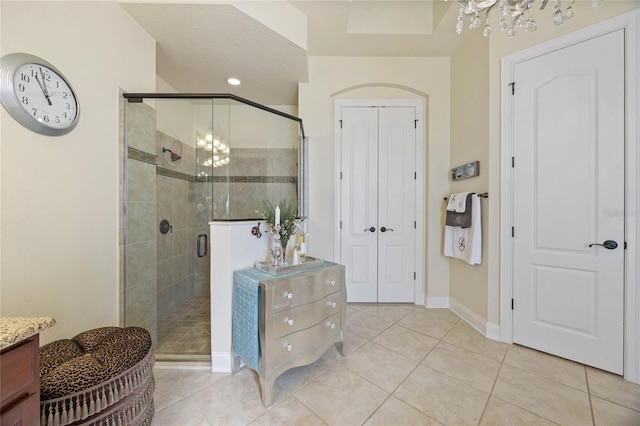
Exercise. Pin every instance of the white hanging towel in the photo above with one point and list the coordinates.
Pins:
(466, 243)
(461, 202)
(451, 205)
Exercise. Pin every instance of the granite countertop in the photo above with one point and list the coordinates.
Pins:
(16, 329)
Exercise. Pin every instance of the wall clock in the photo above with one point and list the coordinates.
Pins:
(37, 95)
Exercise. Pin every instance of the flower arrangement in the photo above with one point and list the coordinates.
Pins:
(281, 220)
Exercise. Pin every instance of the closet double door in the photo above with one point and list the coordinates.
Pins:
(377, 204)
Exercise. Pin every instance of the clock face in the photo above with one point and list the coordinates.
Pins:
(37, 95)
(45, 95)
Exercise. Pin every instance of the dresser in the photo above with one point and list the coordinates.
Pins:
(20, 369)
(286, 321)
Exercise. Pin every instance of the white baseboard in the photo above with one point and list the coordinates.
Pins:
(437, 302)
(221, 362)
(487, 329)
(182, 365)
(473, 319)
(493, 331)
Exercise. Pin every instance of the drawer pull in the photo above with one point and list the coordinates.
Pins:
(330, 325)
(288, 321)
(331, 282)
(331, 304)
(288, 347)
(287, 295)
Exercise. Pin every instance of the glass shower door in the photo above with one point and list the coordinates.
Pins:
(170, 203)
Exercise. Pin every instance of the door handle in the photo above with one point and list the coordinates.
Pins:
(383, 229)
(203, 249)
(609, 244)
(372, 229)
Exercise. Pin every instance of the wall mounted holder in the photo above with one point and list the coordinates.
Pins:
(466, 171)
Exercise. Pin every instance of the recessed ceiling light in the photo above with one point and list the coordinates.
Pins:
(233, 81)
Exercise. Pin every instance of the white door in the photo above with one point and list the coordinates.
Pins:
(378, 203)
(396, 204)
(569, 194)
(359, 202)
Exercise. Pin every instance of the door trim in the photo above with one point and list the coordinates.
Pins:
(420, 207)
(630, 23)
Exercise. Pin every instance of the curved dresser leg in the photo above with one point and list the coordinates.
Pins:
(340, 347)
(267, 390)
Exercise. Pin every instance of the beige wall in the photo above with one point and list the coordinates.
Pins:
(470, 142)
(60, 194)
(358, 78)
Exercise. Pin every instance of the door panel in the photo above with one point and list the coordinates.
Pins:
(360, 192)
(568, 179)
(396, 205)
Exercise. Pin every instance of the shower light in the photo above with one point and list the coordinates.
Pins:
(233, 81)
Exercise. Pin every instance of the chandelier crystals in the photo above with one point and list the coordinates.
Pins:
(514, 14)
(215, 152)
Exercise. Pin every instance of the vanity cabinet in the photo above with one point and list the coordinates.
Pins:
(20, 389)
(300, 315)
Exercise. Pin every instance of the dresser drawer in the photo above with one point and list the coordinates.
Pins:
(19, 369)
(300, 317)
(303, 288)
(297, 344)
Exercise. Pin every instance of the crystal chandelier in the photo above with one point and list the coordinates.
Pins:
(514, 14)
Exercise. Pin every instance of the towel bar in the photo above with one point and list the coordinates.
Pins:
(483, 195)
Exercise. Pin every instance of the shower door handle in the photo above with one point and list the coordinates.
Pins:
(203, 249)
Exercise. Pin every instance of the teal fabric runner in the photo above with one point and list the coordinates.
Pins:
(246, 303)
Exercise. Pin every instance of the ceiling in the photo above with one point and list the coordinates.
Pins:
(200, 44)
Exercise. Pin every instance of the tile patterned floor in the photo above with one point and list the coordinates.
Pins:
(406, 365)
(186, 330)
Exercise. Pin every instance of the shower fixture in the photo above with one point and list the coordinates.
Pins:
(174, 156)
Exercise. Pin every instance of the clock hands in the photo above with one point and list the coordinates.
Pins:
(43, 87)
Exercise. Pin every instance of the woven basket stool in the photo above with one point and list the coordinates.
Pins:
(101, 377)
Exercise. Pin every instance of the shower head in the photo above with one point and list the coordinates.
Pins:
(174, 156)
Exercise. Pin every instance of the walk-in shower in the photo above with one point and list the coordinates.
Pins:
(190, 160)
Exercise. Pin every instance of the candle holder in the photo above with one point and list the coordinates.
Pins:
(277, 251)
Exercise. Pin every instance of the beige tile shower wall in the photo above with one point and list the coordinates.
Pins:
(255, 175)
(176, 203)
(140, 285)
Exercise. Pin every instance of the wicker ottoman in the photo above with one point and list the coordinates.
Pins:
(100, 377)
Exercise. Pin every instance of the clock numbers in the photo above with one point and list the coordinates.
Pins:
(45, 95)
